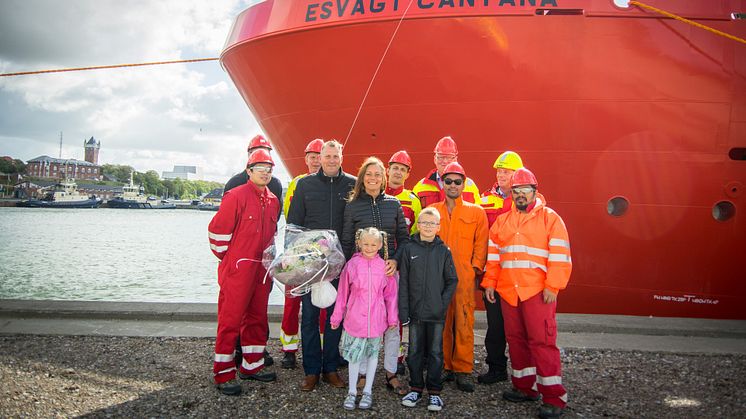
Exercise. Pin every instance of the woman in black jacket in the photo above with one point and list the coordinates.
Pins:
(368, 206)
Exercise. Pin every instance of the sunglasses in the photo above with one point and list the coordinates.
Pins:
(525, 190)
(448, 181)
(262, 169)
(428, 223)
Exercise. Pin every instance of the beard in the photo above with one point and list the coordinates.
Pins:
(522, 206)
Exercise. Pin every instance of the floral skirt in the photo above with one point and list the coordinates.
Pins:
(354, 349)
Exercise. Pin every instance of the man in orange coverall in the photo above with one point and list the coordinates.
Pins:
(240, 231)
(528, 263)
(464, 229)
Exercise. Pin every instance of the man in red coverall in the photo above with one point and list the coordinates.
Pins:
(528, 263)
(240, 231)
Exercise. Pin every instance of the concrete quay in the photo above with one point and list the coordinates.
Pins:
(634, 333)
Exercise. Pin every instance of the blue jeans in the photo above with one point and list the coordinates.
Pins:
(425, 345)
(316, 361)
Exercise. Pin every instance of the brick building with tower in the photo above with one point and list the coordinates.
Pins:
(50, 167)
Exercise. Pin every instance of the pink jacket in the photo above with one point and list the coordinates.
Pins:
(366, 298)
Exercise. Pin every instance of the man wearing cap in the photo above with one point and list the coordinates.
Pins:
(319, 202)
(400, 165)
(274, 186)
(464, 229)
(528, 263)
(289, 328)
(430, 188)
(240, 231)
(496, 201)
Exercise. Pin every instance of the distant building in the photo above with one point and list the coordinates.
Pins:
(184, 172)
(49, 167)
(91, 150)
(52, 168)
(214, 196)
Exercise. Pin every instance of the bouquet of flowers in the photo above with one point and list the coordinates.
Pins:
(301, 257)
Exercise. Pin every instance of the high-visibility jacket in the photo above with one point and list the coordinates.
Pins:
(290, 192)
(428, 190)
(528, 253)
(494, 203)
(410, 204)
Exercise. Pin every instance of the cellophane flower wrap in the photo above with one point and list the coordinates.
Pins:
(301, 257)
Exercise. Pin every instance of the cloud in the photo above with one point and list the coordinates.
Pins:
(147, 117)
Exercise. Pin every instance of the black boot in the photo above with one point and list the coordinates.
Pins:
(464, 382)
(288, 361)
(492, 376)
(268, 361)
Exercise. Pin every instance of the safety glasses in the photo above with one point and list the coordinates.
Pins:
(448, 181)
(523, 190)
(262, 169)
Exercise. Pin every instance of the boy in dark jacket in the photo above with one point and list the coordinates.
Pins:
(427, 281)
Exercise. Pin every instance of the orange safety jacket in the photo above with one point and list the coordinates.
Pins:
(428, 190)
(528, 253)
(410, 204)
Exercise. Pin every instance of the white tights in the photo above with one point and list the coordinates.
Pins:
(369, 365)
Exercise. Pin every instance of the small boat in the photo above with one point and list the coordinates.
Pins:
(64, 195)
(208, 206)
(133, 197)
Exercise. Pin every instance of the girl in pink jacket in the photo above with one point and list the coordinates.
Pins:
(367, 302)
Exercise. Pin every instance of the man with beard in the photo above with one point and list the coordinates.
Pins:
(528, 263)
(463, 227)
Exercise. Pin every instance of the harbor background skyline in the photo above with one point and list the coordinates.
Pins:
(151, 118)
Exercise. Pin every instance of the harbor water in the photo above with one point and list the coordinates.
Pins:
(108, 255)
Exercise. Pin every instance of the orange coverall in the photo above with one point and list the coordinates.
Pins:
(465, 232)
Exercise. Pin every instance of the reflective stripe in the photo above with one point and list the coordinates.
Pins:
(219, 249)
(524, 372)
(526, 264)
(219, 237)
(289, 343)
(493, 257)
(559, 242)
(535, 251)
(254, 365)
(252, 349)
(224, 357)
(563, 397)
(490, 243)
(290, 346)
(549, 381)
(559, 257)
(226, 371)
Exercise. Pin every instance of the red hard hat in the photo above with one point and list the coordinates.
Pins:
(523, 176)
(260, 156)
(315, 146)
(454, 167)
(259, 141)
(401, 157)
(446, 145)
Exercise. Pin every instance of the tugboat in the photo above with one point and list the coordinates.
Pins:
(133, 197)
(64, 195)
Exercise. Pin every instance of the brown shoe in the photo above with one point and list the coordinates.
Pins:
(333, 379)
(309, 382)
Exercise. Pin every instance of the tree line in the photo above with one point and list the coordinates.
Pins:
(172, 188)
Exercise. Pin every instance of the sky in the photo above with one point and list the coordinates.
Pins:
(151, 117)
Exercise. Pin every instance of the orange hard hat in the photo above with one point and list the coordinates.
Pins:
(260, 156)
(401, 157)
(446, 145)
(454, 167)
(259, 141)
(523, 176)
(315, 146)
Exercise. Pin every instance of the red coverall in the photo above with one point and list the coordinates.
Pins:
(243, 227)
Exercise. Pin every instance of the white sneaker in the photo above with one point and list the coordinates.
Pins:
(436, 403)
(366, 401)
(349, 403)
(411, 399)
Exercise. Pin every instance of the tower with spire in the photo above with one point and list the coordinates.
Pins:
(91, 150)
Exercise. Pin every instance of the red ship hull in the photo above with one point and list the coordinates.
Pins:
(601, 102)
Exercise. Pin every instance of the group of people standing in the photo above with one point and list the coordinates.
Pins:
(415, 259)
